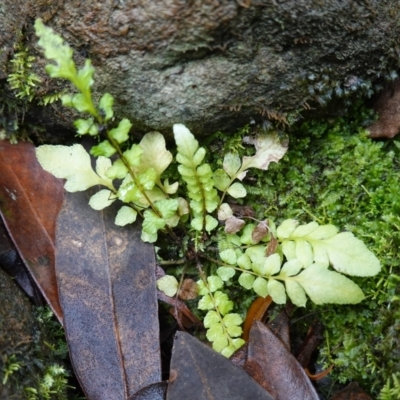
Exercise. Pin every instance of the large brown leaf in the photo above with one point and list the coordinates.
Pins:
(272, 365)
(106, 278)
(30, 199)
(200, 373)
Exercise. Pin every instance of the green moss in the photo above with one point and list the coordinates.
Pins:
(334, 173)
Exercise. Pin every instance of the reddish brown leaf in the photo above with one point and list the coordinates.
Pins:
(387, 106)
(259, 231)
(189, 290)
(200, 373)
(106, 278)
(351, 392)
(30, 199)
(271, 364)
(256, 311)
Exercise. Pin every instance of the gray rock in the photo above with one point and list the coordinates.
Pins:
(215, 65)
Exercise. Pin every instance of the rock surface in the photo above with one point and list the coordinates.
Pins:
(216, 64)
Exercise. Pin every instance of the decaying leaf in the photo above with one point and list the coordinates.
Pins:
(30, 199)
(199, 373)
(387, 106)
(273, 366)
(106, 278)
(268, 149)
(234, 225)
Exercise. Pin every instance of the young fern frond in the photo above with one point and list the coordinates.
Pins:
(198, 177)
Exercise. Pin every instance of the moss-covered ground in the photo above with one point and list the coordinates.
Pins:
(333, 173)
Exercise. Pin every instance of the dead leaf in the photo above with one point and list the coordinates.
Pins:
(273, 366)
(30, 199)
(387, 106)
(351, 392)
(106, 278)
(189, 290)
(259, 231)
(234, 225)
(200, 373)
(155, 391)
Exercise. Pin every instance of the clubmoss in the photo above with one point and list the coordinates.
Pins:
(335, 174)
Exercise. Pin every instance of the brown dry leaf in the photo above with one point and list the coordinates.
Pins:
(30, 199)
(233, 225)
(259, 231)
(272, 365)
(200, 373)
(107, 286)
(387, 106)
(189, 289)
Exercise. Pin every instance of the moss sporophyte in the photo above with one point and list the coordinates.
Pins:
(194, 205)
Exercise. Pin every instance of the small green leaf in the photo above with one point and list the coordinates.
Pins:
(246, 280)
(228, 256)
(225, 273)
(133, 155)
(351, 256)
(223, 303)
(206, 303)
(167, 207)
(185, 141)
(260, 286)
(231, 164)
(289, 249)
(120, 133)
(70, 163)
(106, 103)
(244, 261)
(221, 180)
(148, 178)
(277, 291)
(324, 286)
(103, 149)
(215, 332)
(237, 190)
(211, 223)
(211, 319)
(197, 224)
(214, 283)
(102, 199)
(117, 171)
(285, 230)
(152, 222)
(291, 267)
(155, 155)
(304, 252)
(168, 284)
(232, 320)
(272, 264)
(323, 232)
(304, 230)
(86, 126)
(296, 293)
(126, 215)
